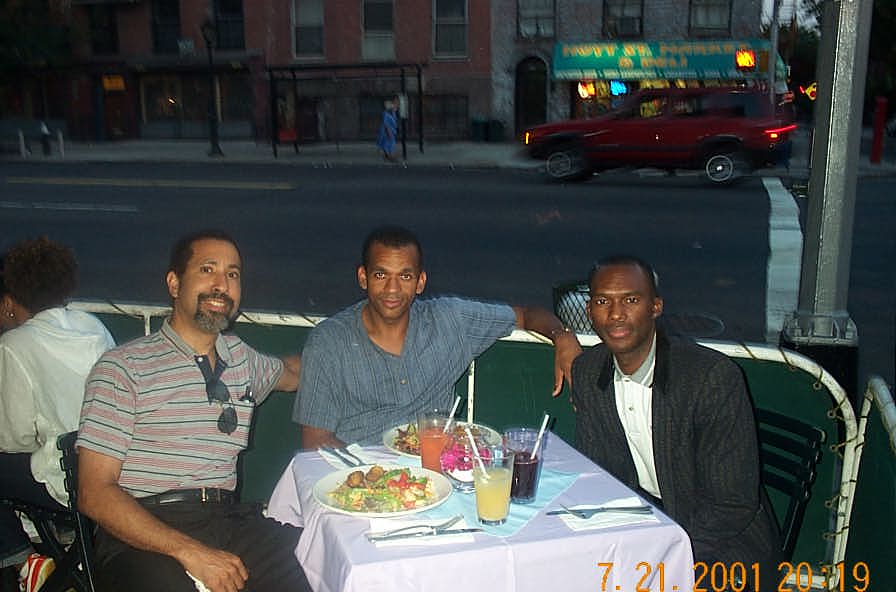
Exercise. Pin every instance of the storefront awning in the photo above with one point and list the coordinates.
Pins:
(659, 60)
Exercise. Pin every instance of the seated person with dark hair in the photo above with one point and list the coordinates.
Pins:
(164, 420)
(46, 353)
(377, 363)
(672, 420)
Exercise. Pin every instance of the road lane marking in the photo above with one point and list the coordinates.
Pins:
(785, 255)
(179, 184)
(68, 206)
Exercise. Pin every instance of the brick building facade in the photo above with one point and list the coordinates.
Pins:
(141, 68)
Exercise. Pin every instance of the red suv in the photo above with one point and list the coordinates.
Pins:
(724, 132)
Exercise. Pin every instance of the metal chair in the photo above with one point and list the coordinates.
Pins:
(73, 560)
(569, 305)
(790, 451)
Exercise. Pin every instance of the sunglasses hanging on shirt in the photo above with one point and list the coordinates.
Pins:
(217, 391)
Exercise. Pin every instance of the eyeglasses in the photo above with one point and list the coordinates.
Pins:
(217, 391)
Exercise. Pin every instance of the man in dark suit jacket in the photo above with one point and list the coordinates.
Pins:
(673, 421)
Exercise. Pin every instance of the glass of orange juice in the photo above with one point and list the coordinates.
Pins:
(491, 481)
(431, 433)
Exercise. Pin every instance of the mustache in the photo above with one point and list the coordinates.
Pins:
(224, 297)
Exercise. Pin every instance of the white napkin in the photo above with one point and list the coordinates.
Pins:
(354, 449)
(384, 524)
(199, 585)
(607, 519)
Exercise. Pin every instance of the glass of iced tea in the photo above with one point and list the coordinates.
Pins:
(526, 468)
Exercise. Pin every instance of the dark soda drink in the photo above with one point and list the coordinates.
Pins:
(525, 478)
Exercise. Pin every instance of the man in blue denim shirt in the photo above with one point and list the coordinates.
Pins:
(375, 364)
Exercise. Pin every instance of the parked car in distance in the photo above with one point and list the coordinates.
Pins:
(725, 132)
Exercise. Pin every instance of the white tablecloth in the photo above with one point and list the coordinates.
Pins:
(544, 555)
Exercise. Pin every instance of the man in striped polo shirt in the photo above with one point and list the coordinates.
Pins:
(164, 419)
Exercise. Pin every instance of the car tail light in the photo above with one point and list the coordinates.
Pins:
(779, 132)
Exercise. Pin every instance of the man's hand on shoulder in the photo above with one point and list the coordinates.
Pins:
(566, 349)
(566, 344)
(289, 379)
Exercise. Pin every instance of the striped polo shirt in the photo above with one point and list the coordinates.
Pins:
(146, 405)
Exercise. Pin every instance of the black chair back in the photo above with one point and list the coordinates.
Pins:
(790, 451)
(55, 528)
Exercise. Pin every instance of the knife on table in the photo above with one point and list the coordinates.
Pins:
(418, 535)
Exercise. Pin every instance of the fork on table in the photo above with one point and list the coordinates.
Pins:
(427, 528)
(586, 513)
(343, 454)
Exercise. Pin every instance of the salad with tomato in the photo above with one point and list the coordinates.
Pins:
(383, 491)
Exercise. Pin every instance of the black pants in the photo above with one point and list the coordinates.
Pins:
(266, 547)
(17, 482)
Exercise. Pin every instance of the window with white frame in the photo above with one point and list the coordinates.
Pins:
(450, 28)
(535, 18)
(623, 18)
(710, 16)
(308, 17)
(379, 30)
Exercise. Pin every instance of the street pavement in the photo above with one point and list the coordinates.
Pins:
(329, 154)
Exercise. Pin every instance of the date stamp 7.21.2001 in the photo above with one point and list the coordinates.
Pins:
(738, 577)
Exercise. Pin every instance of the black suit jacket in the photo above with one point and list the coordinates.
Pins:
(705, 448)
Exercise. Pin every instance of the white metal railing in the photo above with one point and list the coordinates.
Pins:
(850, 448)
(878, 392)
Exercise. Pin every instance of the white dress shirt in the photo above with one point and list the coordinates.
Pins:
(634, 403)
(43, 366)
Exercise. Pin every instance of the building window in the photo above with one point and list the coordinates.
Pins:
(450, 28)
(623, 19)
(309, 27)
(229, 21)
(379, 31)
(535, 18)
(103, 29)
(710, 17)
(165, 25)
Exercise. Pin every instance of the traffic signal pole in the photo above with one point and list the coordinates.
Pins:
(821, 326)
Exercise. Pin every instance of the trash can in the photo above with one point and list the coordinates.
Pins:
(479, 129)
(495, 131)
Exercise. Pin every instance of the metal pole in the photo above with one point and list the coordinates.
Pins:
(420, 106)
(404, 119)
(209, 35)
(215, 149)
(821, 326)
(773, 51)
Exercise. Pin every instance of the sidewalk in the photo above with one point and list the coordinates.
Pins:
(321, 155)
(451, 155)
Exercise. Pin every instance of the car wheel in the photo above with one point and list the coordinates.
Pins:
(567, 164)
(724, 167)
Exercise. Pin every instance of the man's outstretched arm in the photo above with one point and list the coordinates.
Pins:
(566, 344)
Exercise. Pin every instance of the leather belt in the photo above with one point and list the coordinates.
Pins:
(203, 495)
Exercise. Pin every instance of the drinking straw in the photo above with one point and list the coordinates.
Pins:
(544, 424)
(451, 415)
(476, 451)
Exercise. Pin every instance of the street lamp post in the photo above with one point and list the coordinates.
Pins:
(209, 35)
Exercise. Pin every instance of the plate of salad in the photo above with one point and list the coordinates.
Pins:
(404, 441)
(380, 491)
